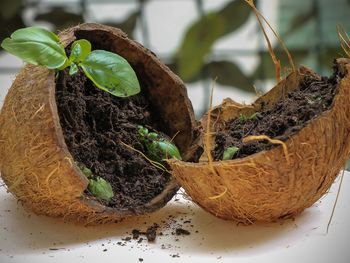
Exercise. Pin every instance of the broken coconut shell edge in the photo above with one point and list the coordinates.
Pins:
(35, 163)
(265, 187)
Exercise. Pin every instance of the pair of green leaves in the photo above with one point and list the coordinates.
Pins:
(98, 186)
(108, 71)
(158, 148)
(244, 118)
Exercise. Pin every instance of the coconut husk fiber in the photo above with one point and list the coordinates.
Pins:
(276, 183)
(35, 163)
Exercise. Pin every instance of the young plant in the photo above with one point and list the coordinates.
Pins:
(108, 71)
(244, 118)
(157, 147)
(98, 186)
(229, 153)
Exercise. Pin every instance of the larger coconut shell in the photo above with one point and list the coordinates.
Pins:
(264, 186)
(35, 163)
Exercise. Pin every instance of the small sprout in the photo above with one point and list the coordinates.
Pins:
(87, 172)
(253, 116)
(244, 118)
(229, 153)
(100, 188)
(157, 147)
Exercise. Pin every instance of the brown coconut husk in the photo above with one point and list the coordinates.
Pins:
(276, 183)
(34, 160)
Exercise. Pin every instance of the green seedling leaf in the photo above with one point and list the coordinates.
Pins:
(80, 50)
(229, 153)
(73, 69)
(253, 116)
(244, 118)
(169, 150)
(87, 172)
(101, 189)
(111, 72)
(158, 148)
(36, 46)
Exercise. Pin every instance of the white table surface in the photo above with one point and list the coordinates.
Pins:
(26, 237)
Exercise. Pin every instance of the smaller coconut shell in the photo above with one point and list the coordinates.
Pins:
(265, 186)
(35, 163)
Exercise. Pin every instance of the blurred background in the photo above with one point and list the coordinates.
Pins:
(199, 39)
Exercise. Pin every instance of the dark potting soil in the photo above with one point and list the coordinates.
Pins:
(95, 123)
(288, 116)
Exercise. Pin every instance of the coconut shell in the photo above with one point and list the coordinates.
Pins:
(35, 163)
(265, 186)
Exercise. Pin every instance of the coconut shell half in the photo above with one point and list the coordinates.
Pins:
(265, 186)
(35, 163)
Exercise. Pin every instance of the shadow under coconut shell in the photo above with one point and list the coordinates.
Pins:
(31, 233)
(224, 236)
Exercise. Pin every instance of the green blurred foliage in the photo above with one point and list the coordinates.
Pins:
(202, 34)
(298, 24)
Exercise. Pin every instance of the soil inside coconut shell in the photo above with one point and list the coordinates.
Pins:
(94, 124)
(288, 116)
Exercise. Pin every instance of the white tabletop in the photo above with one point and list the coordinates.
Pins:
(26, 237)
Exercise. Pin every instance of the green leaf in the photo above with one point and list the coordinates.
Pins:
(158, 146)
(235, 13)
(101, 189)
(229, 153)
(87, 172)
(111, 72)
(169, 150)
(80, 50)
(201, 36)
(73, 69)
(36, 46)
(197, 43)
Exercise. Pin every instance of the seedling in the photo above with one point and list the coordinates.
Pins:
(244, 118)
(229, 153)
(157, 147)
(108, 71)
(98, 187)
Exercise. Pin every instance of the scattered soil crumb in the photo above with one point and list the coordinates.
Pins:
(150, 233)
(181, 231)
